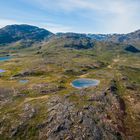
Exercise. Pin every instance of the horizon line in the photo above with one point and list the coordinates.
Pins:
(67, 31)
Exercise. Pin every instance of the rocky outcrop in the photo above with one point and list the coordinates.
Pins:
(66, 122)
(44, 88)
(92, 115)
(27, 73)
(100, 122)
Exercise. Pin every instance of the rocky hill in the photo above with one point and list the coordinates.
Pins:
(119, 38)
(71, 41)
(13, 33)
(28, 33)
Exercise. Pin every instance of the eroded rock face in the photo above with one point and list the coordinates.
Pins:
(66, 122)
(101, 122)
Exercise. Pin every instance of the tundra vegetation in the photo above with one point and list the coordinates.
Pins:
(46, 106)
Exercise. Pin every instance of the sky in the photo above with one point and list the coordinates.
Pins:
(81, 16)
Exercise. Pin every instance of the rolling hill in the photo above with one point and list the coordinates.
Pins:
(13, 33)
(38, 101)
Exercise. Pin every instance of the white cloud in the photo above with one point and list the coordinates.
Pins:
(125, 20)
(118, 16)
(113, 6)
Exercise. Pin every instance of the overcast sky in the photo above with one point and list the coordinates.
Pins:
(83, 16)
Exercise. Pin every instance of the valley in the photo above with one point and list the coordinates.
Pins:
(37, 100)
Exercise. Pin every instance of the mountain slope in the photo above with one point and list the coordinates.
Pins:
(13, 33)
(133, 37)
(71, 41)
(125, 38)
(28, 33)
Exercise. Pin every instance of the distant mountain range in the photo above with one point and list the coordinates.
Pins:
(123, 38)
(13, 33)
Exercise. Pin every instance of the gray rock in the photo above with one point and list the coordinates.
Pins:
(66, 121)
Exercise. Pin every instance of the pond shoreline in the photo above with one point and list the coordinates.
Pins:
(84, 83)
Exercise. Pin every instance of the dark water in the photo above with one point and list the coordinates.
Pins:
(84, 82)
(5, 58)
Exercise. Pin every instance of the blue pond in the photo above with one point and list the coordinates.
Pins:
(84, 82)
(5, 58)
(1, 71)
(23, 81)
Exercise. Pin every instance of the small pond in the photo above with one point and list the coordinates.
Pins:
(4, 58)
(1, 71)
(23, 81)
(84, 82)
